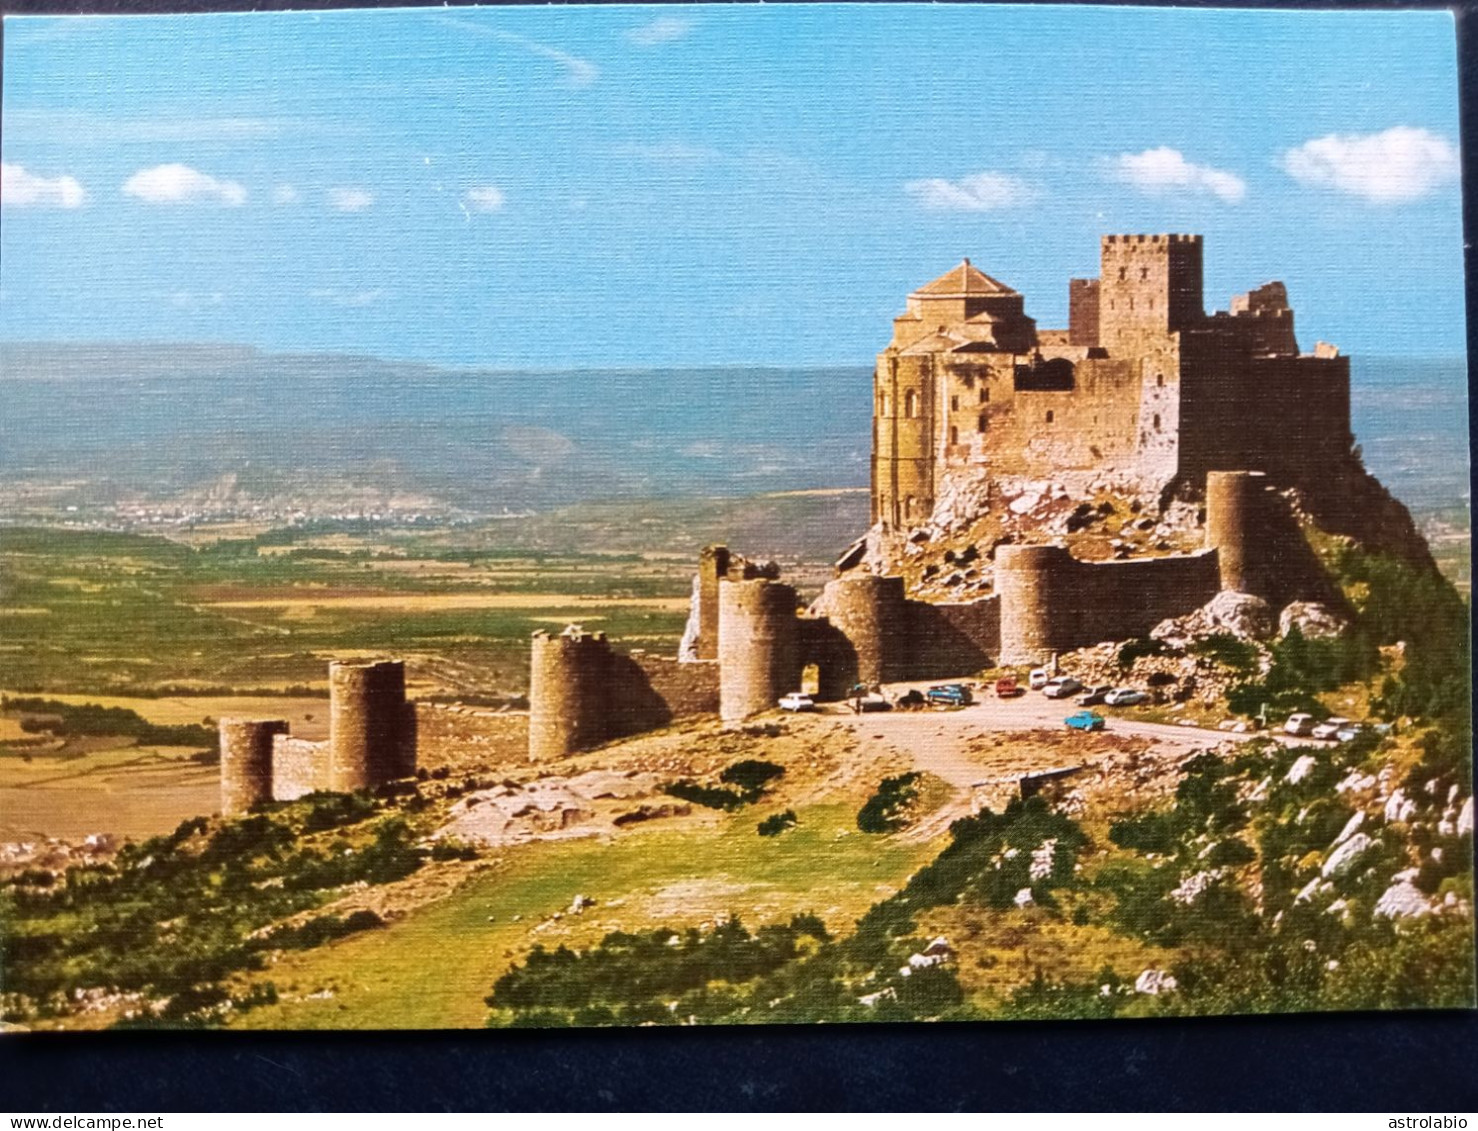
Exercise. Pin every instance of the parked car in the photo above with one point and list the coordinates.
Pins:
(874, 701)
(1349, 732)
(1299, 725)
(1093, 696)
(1084, 720)
(1329, 727)
(1125, 697)
(795, 701)
(1061, 687)
(950, 695)
(911, 700)
(1008, 689)
(1038, 678)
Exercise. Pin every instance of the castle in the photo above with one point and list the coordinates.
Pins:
(1143, 395)
(1144, 389)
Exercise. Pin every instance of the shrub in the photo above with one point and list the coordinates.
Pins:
(884, 811)
(1144, 646)
(751, 775)
(778, 823)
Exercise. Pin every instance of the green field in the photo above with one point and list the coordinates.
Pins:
(132, 615)
(433, 969)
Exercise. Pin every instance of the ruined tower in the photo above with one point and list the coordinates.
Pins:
(759, 651)
(871, 612)
(1036, 597)
(246, 762)
(367, 724)
(568, 683)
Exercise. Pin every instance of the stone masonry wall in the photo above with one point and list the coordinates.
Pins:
(453, 735)
(299, 767)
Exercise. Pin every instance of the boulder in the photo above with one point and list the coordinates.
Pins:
(1231, 613)
(1344, 855)
(1402, 900)
(1155, 982)
(1314, 620)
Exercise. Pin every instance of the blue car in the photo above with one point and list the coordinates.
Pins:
(951, 695)
(1084, 720)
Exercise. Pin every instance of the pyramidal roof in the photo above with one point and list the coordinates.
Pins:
(964, 281)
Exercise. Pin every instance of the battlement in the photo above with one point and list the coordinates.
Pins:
(1163, 239)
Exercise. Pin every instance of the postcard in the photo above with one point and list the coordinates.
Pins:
(731, 514)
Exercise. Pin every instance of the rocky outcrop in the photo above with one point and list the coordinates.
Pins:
(1313, 619)
(1230, 613)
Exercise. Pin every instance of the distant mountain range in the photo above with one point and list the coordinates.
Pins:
(123, 420)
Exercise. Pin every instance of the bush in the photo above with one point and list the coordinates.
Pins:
(884, 811)
(1227, 650)
(778, 823)
(751, 775)
(1144, 646)
(745, 784)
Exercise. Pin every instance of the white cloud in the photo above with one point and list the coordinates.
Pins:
(484, 198)
(285, 194)
(24, 189)
(578, 72)
(1165, 170)
(981, 192)
(180, 184)
(1395, 165)
(664, 29)
(349, 199)
(337, 297)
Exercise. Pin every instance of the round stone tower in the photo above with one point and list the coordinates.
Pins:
(1236, 527)
(1036, 598)
(366, 729)
(869, 611)
(759, 646)
(246, 762)
(568, 680)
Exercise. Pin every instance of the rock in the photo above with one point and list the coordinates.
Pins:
(1343, 857)
(1402, 901)
(1352, 826)
(1399, 807)
(1155, 982)
(887, 993)
(1024, 898)
(580, 903)
(1314, 620)
(1231, 613)
(1465, 819)
(1300, 769)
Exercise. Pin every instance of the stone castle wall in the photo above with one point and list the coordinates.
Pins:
(953, 639)
(452, 735)
(1143, 387)
(299, 767)
(1050, 602)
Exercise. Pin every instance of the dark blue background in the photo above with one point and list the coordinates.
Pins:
(1419, 1062)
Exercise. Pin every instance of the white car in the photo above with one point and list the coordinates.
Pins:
(1330, 727)
(1299, 725)
(1125, 697)
(1061, 687)
(795, 701)
(1037, 679)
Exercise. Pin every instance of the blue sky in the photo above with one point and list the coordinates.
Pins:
(668, 185)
